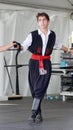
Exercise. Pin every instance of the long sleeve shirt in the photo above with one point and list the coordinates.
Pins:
(28, 41)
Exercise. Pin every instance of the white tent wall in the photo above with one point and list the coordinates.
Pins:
(17, 24)
(1, 59)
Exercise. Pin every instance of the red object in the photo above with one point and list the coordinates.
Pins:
(40, 59)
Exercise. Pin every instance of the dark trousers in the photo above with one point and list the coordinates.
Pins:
(38, 83)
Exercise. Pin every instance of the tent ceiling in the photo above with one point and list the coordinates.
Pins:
(44, 4)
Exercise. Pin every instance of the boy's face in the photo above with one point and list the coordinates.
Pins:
(43, 22)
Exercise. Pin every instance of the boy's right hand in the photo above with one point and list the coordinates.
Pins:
(17, 45)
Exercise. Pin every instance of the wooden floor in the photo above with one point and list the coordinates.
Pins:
(57, 115)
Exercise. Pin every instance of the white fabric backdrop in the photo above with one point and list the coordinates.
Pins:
(15, 25)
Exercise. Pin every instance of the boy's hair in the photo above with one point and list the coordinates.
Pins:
(43, 14)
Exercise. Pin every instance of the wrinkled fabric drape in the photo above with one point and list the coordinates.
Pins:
(1, 59)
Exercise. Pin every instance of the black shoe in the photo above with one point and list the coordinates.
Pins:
(39, 118)
(33, 116)
(31, 119)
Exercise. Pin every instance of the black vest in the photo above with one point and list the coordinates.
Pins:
(36, 46)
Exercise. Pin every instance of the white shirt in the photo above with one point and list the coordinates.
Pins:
(28, 41)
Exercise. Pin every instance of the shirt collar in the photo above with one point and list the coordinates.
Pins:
(40, 33)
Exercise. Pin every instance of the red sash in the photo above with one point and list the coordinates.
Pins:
(40, 59)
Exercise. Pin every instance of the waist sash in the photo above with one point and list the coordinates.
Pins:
(40, 59)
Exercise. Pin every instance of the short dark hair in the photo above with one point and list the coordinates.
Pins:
(43, 14)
